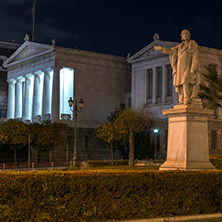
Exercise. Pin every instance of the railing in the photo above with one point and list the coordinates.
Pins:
(34, 165)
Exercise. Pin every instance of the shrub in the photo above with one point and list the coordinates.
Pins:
(107, 163)
(107, 195)
(216, 160)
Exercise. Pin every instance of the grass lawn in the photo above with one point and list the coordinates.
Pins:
(121, 167)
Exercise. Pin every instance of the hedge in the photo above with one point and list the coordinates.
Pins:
(107, 163)
(107, 195)
(216, 160)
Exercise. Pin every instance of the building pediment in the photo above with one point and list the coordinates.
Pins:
(28, 50)
(149, 52)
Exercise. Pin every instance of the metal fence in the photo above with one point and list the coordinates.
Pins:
(23, 164)
(34, 165)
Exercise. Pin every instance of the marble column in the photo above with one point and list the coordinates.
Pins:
(164, 73)
(154, 85)
(56, 95)
(133, 89)
(23, 99)
(144, 76)
(18, 97)
(11, 99)
(47, 90)
(37, 94)
(28, 97)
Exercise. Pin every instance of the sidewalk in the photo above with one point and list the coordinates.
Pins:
(196, 218)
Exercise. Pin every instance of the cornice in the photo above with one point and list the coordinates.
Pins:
(89, 54)
(147, 58)
(208, 50)
(32, 61)
(134, 57)
(23, 46)
(9, 45)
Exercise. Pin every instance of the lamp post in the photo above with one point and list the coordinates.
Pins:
(29, 151)
(155, 131)
(74, 108)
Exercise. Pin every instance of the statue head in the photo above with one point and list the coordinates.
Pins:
(185, 35)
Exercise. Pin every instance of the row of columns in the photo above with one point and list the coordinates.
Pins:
(155, 79)
(31, 95)
(140, 86)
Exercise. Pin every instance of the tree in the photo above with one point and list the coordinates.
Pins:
(48, 135)
(110, 132)
(123, 144)
(113, 115)
(133, 122)
(14, 133)
(212, 95)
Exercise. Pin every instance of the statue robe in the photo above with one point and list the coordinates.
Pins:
(184, 58)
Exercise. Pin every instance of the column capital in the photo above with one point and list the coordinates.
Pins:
(53, 68)
(57, 69)
(48, 70)
(39, 72)
(30, 75)
(20, 79)
(12, 81)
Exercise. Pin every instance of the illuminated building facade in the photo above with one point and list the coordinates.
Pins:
(42, 78)
(6, 50)
(152, 89)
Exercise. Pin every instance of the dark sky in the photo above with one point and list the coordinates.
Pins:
(112, 26)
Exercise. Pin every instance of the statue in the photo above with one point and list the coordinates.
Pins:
(185, 61)
(53, 42)
(27, 38)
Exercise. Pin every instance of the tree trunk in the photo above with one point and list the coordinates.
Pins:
(14, 156)
(131, 149)
(111, 147)
(39, 157)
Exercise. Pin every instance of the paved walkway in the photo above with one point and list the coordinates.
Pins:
(193, 218)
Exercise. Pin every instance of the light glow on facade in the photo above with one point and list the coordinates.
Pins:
(66, 89)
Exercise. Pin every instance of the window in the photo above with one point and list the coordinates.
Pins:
(150, 83)
(129, 102)
(169, 80)
(213, 139)
(86, 142)
(3, 114)
(159, 82)
(3, 101)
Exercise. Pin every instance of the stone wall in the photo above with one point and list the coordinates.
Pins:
(215, 125)
(88, 148)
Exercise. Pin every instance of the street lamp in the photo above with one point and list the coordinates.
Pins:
(74, 108)
(155, 131)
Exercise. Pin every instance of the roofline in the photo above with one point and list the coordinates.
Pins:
(26, 43)
(155, 42)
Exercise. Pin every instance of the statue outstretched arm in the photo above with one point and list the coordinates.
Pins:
(163, 49)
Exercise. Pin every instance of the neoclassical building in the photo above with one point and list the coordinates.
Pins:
(42, 78)
(6, 50)
(152, 88)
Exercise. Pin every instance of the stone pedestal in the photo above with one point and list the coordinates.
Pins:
(188, 147)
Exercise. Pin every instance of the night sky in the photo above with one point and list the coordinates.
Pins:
(112, 26)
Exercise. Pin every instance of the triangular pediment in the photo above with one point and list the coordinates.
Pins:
(26, 51)
(149, 52)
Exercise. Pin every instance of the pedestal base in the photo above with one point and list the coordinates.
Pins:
(168, 165)
(188, 147)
